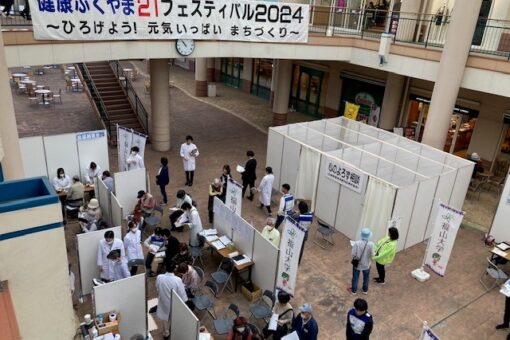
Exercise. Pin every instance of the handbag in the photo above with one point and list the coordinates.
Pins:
(355, 260)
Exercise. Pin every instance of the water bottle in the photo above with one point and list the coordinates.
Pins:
(100, 319)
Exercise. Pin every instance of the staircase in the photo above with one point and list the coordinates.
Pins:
(109, 98)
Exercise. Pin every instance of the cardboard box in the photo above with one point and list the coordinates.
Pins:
(108, 326)
(251, 295)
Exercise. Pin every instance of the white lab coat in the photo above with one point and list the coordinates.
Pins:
(165, 283)
(189, 160)
(195, 226)
(91, 174)
(133, 246)
(120, 270)
(265, 188)
(134, 162)
(62, 183)
(102, 251)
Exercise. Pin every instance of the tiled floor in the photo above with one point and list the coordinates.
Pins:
(456, 306)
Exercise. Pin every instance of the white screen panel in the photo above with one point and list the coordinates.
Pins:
(87, 245)
(461, 187)
(265, 256)
(290, 162)
(61, 152)
(117, 210)
(403, 208)
(327, 196)
(126, 297)
(242, 235)
(93, 150)
(443, 193)
(184, 324)
(499, 228)
(103, 195)
(274, 155)
(34, 159)
(421, 212)
(350, 207)
(127, 185)
(222, 218)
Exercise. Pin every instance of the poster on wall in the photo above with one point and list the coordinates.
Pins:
(441, 241)
(367, 94)
(126, 139)
(351, 110)
(288, 262)
(234, 196)
(346, 176)
(239, 20)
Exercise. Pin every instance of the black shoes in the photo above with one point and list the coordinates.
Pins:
(502, 326)
(378, 280)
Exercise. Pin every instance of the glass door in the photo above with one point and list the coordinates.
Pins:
(306, 90)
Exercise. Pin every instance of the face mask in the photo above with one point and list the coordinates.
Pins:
(61, 175)
(133, 153)
(109, 242)
(134, 230)
(240, 329)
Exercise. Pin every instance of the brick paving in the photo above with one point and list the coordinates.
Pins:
(456, 305)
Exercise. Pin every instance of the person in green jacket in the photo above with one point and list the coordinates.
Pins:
(385, 250)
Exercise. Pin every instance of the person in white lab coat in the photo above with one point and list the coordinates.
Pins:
(106, 245)
(165, 283)
(195, 223)
(265, 189)
(92, 172)
(62, 182)
(119, 265)
(134, 160)
(133, 245)
(189, 153)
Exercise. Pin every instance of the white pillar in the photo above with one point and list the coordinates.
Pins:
(451, 70)
(200, 77)
(160, 103)
(12, 164)
(282, 92)
(391, 101)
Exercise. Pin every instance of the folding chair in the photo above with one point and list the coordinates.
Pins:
(223, 275)
(204, 302)
(495, 273)
(197, 251)
(263, 310)
(324, 234)
(222, 326)
(153, 220)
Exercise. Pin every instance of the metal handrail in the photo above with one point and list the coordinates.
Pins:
(102, 108)
(133, 97)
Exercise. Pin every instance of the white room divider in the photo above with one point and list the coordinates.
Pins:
(127, 185)
(117, 210)
(61, 152)
(92, 150)
(184, 324)
(34, 157)
(128, 298)
(103, 195)
(242, 235)
(265, 257)
(87, 245)
(499, 228)
(222, 218)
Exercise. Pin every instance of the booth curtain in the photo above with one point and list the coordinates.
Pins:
(308, 175)
(378, 206)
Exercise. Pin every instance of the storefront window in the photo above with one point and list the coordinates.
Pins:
(231, 69)
(262, 76)
(306, 90)
(368, 95)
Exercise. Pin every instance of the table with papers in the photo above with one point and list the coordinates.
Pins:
(502, 249)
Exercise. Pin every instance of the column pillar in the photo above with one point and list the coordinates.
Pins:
(391, 101)
(246, 75)
(12, 164)
(160, 103)
(200, 77)
(274, 76)
(210, 70)
(281, 92)
(451, 70)
(407, 20)
(217, 69)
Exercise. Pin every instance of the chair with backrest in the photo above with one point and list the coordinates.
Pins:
(203, 301)
(58, 96)
(262, 310)
(154, 220)
(223, 275)
(324, 235)
(32, 97)
(197, 251)
(496, 274)
(475, 187)
(500, 171)
(222, 326)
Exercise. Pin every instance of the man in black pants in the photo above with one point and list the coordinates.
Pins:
(506, 316)
(249, 175)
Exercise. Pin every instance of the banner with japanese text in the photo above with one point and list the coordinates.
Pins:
(290, 247)
(351, 178)
(234, 196)
(441, 241)
(239, 20)
(126, 139)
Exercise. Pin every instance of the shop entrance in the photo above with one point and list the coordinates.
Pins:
(231, 69)
(306, 88)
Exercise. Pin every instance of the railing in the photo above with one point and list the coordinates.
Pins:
(136, 103)
(15, 21)
(97, 98)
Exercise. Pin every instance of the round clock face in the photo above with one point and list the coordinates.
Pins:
(185, 46)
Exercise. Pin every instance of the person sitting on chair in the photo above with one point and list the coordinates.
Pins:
(189, 277)
(240, 330)
(75, 195)
(182, 197)
(183, 256)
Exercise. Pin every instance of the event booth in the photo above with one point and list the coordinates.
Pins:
(356, 175)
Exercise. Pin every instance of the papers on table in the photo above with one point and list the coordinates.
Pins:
(242, 261)
(225, 240)
(209, 232)
(218, 245)
(505, 288)
(239, 168)
(499, 252)
(502, 246)
(211, 238)
(273, 324)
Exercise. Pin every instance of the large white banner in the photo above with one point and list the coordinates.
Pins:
(290, 247)
(126, 139)
(351, 178)
(441, 241)
(241, 20)
(234, 197)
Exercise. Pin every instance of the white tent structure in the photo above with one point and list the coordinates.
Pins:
(388, 176)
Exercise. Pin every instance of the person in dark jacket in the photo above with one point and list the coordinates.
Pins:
(359, 322)
(162, 179)
(249, 175)
(304, 324)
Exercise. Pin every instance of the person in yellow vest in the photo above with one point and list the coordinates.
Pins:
(270, 233)
(385, 251)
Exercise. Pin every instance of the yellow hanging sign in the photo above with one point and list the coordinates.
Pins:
(351, 110)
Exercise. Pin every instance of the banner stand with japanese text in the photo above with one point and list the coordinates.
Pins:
(441, 240)
(234, 196)
(290, 247)
(126, 139)
(427, 333)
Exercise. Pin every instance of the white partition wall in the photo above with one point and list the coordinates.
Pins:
(461, 186)
(117, 210)
(183, 323)
(290, 162)
(222, 218)
(103, 195)
(242, 235)
(126, 297)
(349, 209)
(274, 156)
(87, 245)
(265, 257)
(499, 228)
(34, 157)
(404, 202)
(93, 150)
(61, 152)
(127, 185)
(326, 202)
